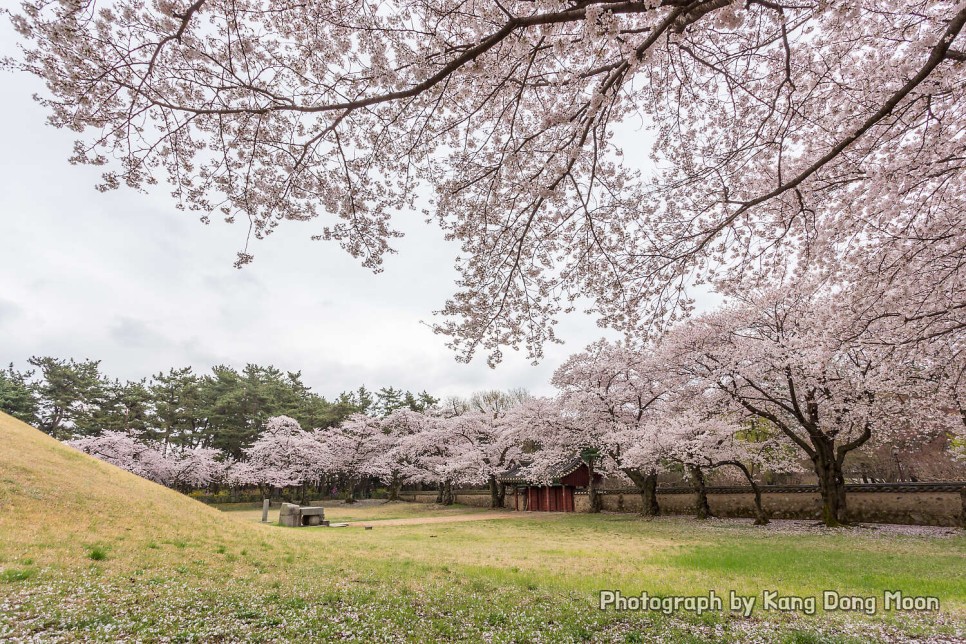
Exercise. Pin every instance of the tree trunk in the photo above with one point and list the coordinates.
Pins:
(761, 517)
(349, 496)
(701, 508)
(394, 486)
(497, 492)
(446, 496)
(596, 503)
(831, 483)
(646, 485)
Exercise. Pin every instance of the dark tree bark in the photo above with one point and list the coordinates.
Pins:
(593, 494)
(445, 495)
(827, 457)
(449, 498)
(831, 481)
(701, 508)
(646, 485)
(761, 517)
(497, 492)
(394, 485)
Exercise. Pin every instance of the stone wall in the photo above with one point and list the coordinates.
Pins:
(917, 507)
(906, 503)
(475, 498)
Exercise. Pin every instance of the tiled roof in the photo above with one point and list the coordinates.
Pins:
(557, 472)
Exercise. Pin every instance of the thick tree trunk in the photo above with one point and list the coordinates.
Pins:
(446, 496)
(646, 485)
(394, 486)
(497, 492)
(831, 483)
(701, 508)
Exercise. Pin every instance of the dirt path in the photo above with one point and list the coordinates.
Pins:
(456, 518)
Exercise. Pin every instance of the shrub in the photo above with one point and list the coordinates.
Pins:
(97, 553)
(17, 574)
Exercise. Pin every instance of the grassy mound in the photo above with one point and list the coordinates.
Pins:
(52, 495)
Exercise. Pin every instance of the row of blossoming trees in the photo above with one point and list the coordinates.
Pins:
(773, 380)
(405, 447)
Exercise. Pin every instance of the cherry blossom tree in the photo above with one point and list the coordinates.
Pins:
(943, 361)
(435, 449)
(485, 447)
(439, 458)
(696, 435)
(614, 388)
(353, 448)
(397, 460)
(184, 469)
(556, 432)
(487, 444)
(127, 451)
(785, 135)
(240, 474)
(941, 372)
(195, 468)
(285, 455)
(785, 355)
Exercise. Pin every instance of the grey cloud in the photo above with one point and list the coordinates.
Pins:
(9, 311)
(128, 332)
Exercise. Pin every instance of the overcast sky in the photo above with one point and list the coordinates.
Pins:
(126, 278)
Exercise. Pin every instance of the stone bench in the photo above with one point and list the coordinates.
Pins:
(294, 516)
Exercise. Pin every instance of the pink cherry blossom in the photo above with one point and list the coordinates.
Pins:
(785, 138)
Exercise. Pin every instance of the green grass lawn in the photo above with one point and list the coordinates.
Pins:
(90, 553)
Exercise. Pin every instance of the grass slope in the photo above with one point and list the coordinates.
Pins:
(91, 553)
(51, 493)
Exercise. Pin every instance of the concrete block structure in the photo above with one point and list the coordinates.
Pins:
(295, 516)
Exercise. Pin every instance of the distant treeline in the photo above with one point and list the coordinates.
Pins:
(225, 409)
